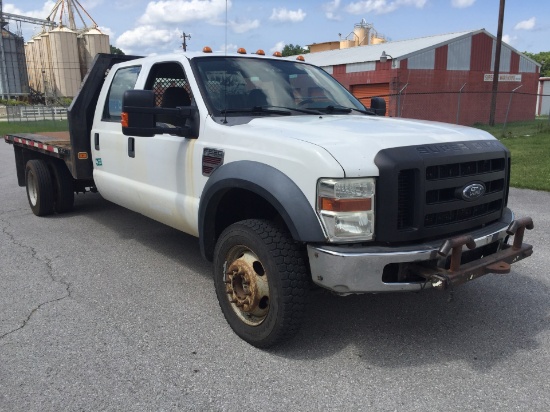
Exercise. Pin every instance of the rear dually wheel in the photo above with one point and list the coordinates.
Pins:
(39, 187)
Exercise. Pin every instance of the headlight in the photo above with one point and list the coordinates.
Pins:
(346, 208)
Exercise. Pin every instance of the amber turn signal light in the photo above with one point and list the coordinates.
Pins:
(345, 205)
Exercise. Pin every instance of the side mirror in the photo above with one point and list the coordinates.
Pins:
(378, 105)
(138, 117)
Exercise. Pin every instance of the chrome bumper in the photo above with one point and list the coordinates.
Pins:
(350, 269)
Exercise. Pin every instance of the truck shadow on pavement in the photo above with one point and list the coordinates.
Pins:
(488, 321)
(154, 235)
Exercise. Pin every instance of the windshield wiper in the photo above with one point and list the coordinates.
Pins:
(337, 109)
(341, 109)
(368, 111)
(296, 109)
(257, 110)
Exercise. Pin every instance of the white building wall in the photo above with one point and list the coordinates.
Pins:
(505, 57)
(459, 54)
(424, 60)
(543, 103)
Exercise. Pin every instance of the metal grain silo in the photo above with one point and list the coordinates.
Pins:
(90, 43)
(38, 58)
(46, 64)
(64, 60)
(36, 68)
(13, 70)
(30, 63)
(361, 33)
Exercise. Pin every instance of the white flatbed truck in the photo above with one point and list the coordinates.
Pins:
(287, 180)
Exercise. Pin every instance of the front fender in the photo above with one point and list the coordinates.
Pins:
(265, 181)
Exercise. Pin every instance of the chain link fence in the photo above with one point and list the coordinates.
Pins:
(460, 107)
(464, 107)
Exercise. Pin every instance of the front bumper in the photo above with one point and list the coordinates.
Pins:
(349, 269)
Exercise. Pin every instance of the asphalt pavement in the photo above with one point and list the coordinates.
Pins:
(104, 309)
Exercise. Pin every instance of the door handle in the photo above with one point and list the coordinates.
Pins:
(131, 147)
(96, 141)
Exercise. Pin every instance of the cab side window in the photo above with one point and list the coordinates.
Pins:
(124, 79)
(169, 82)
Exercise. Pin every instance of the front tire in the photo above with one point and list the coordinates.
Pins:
(261, 281)
(39, 187)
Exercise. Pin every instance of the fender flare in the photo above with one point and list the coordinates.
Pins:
(267, 182)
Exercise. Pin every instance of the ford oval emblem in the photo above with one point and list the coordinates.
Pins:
(473, 191)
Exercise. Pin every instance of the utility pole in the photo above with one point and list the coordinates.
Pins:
(496, 71)
(185, 37)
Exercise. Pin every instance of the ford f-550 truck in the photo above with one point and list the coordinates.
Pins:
(285, 177)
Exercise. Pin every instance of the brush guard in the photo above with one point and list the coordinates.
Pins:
(498, 262)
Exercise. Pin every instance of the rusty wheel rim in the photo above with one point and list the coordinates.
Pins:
(246, 285)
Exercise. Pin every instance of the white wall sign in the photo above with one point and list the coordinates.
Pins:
(503, 77)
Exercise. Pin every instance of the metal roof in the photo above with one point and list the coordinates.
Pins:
(397, 49)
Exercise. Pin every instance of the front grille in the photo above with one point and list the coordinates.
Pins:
(464, 169)
(461, 215)
(424, 191)
(405, 198)
(450, 193)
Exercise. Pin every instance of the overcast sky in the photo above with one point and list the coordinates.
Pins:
(151, 27)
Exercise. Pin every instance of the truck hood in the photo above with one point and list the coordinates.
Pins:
(354, 140)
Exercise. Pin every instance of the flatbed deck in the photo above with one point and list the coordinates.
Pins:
(57, 143)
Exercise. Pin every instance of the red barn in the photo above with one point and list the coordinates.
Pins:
(446, 77)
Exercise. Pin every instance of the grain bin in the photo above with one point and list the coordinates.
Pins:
(64, 60)
(30, 63)
(13, 78)
(46, 64)
(37, 62)
(361, 33)
(91, 42)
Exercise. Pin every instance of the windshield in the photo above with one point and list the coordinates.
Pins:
(245, 86)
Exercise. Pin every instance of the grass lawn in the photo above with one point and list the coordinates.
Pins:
(33, 126)
(529, 143)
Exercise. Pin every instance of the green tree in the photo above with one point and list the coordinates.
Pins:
(116, 50)
(293, 50)
(542, 58)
